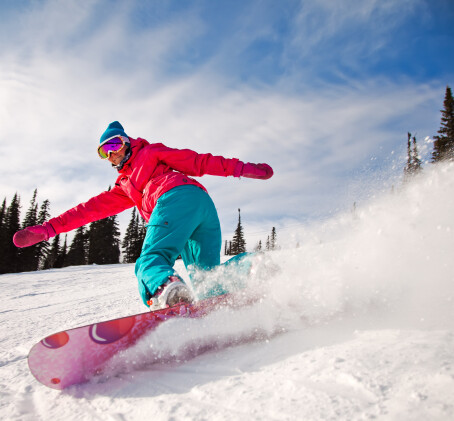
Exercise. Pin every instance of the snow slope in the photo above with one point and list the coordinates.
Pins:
(357, 323)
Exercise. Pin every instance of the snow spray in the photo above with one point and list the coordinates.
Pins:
(387, 265)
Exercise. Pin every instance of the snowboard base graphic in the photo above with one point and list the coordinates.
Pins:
(73, 356)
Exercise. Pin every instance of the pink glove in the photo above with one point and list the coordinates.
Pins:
(258, 171)
(32, 235)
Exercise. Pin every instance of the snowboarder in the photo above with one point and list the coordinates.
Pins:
(182, 219)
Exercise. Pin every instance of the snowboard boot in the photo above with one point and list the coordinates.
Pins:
(174, 291)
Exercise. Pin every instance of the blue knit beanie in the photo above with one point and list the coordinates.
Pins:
(113, 129)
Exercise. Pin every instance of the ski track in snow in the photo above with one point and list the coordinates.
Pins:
(356, 324)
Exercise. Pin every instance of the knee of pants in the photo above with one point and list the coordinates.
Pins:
(205, 258)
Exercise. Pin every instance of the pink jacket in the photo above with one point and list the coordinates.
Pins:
(152, 170)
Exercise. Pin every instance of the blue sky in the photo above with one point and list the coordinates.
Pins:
(324, 91)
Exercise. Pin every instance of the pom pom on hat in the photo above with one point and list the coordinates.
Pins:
(113, 129)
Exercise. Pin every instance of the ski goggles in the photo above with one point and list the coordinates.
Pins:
(113, 144)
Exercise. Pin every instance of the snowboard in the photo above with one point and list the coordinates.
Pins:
(73, 356)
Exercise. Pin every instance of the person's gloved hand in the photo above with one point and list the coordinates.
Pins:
(34, 234)
(249, 170)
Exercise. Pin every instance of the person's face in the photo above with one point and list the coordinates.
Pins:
(116, 157)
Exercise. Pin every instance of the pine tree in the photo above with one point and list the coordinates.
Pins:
(268, 245)
(238, 241)
(417, 164)
(61, 258)
(95, 242)
(2, 228)
(114, 239)
(31, 217)
(228, 248)
(77, 254)
(2, 213)
(103, 241)
(273, 239)
(97, 252)
(130, 239)
(414, 164)
(134, 237)
(3, 239)
(42, 248)
(444, 143)
(408, 166)
(52, 256)
(9, 256)
(258, 247)
(29, 256)
(141, 237)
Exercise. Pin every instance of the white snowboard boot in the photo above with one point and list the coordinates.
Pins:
(174, 291)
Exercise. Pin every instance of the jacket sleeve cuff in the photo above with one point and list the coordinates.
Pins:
(53, 227)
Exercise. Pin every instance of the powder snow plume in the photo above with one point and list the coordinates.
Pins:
(392, 258)
(388, 265)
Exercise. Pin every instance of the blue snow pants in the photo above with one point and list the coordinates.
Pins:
(184, 221)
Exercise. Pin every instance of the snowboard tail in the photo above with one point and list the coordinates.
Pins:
(74, 356)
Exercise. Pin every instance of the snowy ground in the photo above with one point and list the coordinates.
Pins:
(357, 323)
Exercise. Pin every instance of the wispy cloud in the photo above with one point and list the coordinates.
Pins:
(168, 76)
(346, 39)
